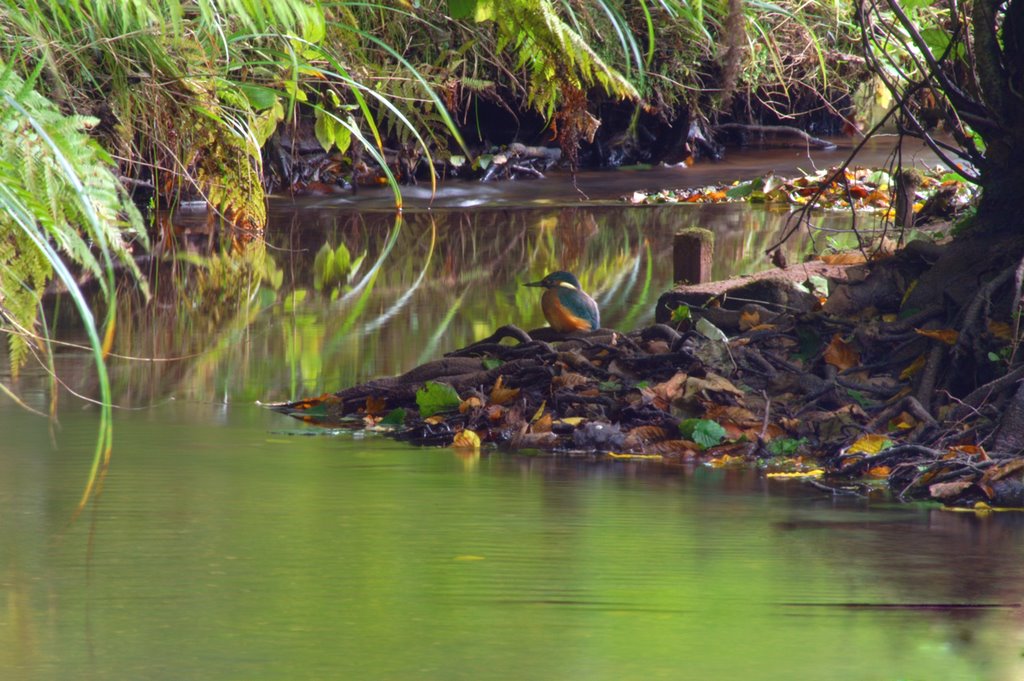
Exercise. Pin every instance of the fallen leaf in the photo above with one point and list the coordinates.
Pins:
(635, 456)
(648, 434)
(542, 425)
(662, 394)
(879, 472)
(851, 258)
(376, 406)
(502, 395)
(948, 490)
(572, 420)
(813, 473)
(466, 439)
(569, 379)
(1001, 330)
(947, 336)
(841, 354)
(913, 367)
(869, 444)
(471, 402)
(749, 318)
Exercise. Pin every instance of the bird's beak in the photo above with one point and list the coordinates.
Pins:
(535, 283)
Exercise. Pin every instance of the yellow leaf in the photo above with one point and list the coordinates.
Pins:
(434, 420)
(572, 420)
(869, 444)
(634, 456)
(913, 368)
(466, 439)
(540, 412)
(947, 336)
(814, 473)
(902, 422)
(879, 472)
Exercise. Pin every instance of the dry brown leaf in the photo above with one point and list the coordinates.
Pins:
(376, 405)
(542, 425)
(903, 422)
(948, 490)
(676, 448)
(472, 402)
(662, 394)
(749, 318)
(495, 412)
(1001, 330)
(569, 379)
(1000, 472)
(841, 354)
(644, 435)
(879, 472)
(970, 450)
(947, 336)
(851, 258)
(725, 412)
(502, 395)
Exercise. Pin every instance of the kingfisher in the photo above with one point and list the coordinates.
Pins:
(566, 306)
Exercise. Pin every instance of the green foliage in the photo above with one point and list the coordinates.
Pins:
(704, 432)
(434, 398)
(786, 446)
(555, 57)
(58, 197)
(681, 313)
(394, 418)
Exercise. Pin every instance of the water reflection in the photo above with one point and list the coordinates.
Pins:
(274, 327)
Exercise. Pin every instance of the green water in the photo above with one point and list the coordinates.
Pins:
(225, 548)
(233, 543)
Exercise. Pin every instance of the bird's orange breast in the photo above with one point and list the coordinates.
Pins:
(559, 316)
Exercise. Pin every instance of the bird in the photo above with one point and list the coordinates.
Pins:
(566, 306)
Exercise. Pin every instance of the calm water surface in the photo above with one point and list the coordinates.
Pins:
(231, 543)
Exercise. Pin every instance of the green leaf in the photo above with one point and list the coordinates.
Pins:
(818, 285)
(681, 313)
(491, 363)
(259, 97)
(858, 397)
(704, 432)
(786, 446)
(324, 131)
(609, 386)
(740, 191)
(436, 397)
(342, 137)
(461, 9)
(395, 417)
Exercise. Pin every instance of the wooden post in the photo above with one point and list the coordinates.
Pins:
(693, 249)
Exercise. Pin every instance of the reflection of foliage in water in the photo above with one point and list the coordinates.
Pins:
(258, 328)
